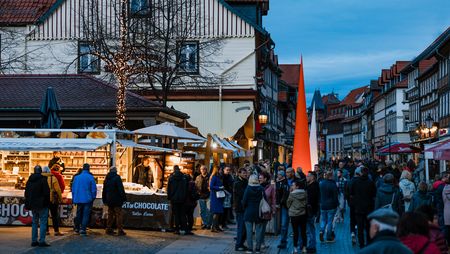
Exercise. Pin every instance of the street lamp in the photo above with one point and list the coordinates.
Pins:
(389, 135)
(429, 121)
(262, 117)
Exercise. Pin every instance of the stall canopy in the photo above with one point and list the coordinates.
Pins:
(129, 143)
(51, 144)
(440, 150)
(398, 148)
(237, 150)
(168, 130)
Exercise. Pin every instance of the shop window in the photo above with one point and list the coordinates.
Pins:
(87, 62)
(188, 58)
(139, 8)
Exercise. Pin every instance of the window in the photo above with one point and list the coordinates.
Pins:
(189, 58)
(87, 63)
(139, 8)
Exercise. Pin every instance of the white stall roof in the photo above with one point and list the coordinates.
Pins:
(51, 144)
(129, 143)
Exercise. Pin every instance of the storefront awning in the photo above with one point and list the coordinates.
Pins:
(51, 144)
(439, 150)
(130, 143)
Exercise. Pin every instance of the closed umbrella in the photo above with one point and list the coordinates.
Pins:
(49, 110)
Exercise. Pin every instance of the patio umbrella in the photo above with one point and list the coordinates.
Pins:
(168, 130)
(399, 148)
(49, 110)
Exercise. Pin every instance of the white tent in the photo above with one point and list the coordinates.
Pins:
(168, 130)
(52, 144)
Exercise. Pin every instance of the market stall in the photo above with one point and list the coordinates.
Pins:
(20, 152)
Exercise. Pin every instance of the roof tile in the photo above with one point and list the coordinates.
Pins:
(23, 12)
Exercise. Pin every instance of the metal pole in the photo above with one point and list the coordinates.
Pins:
(389, 148)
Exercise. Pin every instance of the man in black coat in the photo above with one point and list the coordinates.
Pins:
(113, 196)
(313, 205)
(362, 195)
(37, 199)
(143, 174)
(238, 193)
(227, 180)
(177, 189)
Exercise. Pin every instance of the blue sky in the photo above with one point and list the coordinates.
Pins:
(346, 43)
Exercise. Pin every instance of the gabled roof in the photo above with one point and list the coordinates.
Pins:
(330, 98)
(290, 74)
(23, 12)
(244, 17)
(317, 100)
(264, 3)
(73, 92)
(352, 98)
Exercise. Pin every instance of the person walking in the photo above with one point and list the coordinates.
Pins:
(251, 203)
(55, 199)
(341, 183)
(446, 200)
(227, 181)
(420, 198)
(282, 188)
(177, 188)
(413, 231)
(270, 194)
(191, 202)
(84, 192)
(216, 189)
(113, 196)
(239, 186)
(439, 201)
(313, 197)
(37, 199)
(362, 195)
(329, 203)
(407, 187)
(296, 203)
(389, 195)
(436, 236)
(383, 225)
(351, 207)
(143, 174)
(202, 185)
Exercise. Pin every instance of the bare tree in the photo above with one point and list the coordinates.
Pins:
(151, 46)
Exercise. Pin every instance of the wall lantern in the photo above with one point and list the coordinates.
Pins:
(262, 118)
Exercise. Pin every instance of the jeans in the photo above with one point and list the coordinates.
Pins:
(83, 216)
(240, 229)
(40, 218)
(115, 215)
(327, 221)
(258, 235)
(204, 212)
(299, 224)
(311, 232)
(284, 225)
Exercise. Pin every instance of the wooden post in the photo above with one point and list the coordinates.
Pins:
(208, 151)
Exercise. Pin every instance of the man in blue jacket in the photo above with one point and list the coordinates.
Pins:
(84, 192)
(328, 204)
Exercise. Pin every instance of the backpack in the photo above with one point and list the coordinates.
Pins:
(264, 208)
(407, 192)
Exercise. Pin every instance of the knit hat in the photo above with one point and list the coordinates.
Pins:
(45, 169)
(358, 171)
(253, 180)
(282, 173)
(385, 215)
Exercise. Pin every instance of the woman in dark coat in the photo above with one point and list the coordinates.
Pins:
(215, 185)
(251, 200)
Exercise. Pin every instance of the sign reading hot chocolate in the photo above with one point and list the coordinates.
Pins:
(146, 211)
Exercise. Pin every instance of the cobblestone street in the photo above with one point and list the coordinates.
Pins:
(17, 240)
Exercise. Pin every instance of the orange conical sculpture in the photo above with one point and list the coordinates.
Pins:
(301, 156)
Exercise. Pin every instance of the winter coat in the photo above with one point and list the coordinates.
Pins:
(362, 195)
(313, 196)
(201, 183)
(238, 193)
(55, 190)
(84, 189)
(60, 179)
(446, 200)
(282, 189)
(385, 197)
(270, 192)
(143, 175)
(113, 194)
(37, 193)
(417, 243)
(177, 188)
(328, 195)
(216, 204)
(385, 242)
(227, 181)
(438, 200)
(438, 238)
(192, 194)
(419, 199)
(297, 202)
(250, 202)
(407, 187)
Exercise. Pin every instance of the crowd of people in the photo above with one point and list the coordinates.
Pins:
(389, 211)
